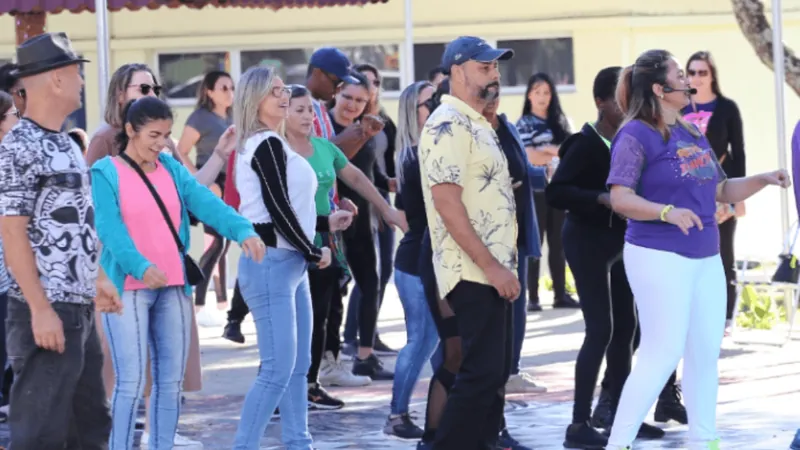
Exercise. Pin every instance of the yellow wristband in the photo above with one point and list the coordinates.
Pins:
(665, 211)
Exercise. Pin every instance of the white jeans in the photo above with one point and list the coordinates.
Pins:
(681, 304)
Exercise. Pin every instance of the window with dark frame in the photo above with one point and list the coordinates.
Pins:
(553, 56)
(426, 58)
(182, 73)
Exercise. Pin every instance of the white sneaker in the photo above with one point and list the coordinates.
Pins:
(522, 383)
(180, 441)
(332, 372)
(209, 317)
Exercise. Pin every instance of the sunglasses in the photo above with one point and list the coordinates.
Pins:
(699, 73)
(146, 88)
(430, 103)
(281, 91)
(20, 92)
(337, 83)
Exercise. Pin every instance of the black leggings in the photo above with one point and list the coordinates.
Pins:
(213, 256)
(324, 293)
(239, 308)
(727, 232)
(608, 310)
(550, 221)
(360, 252)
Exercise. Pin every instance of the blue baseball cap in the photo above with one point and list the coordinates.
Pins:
(333, 61)
(471, 48)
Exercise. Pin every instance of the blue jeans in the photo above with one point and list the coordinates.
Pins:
(278, 294)
(520, 316)
(161, 320)
(385, 248)
(421, 339)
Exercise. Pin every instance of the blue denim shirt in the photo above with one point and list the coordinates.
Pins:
(536, 180)
(119, 256)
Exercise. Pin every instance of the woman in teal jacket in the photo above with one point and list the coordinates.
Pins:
(147, 265)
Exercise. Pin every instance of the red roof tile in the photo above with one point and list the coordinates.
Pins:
(56, 6)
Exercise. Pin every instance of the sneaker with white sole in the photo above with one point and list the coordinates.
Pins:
(332, 372)
(522, 383)
(209, 317)
(179, 442)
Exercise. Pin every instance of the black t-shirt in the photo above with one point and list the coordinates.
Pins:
(411, 201)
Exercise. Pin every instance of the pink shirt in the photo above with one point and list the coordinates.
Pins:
(146, 226)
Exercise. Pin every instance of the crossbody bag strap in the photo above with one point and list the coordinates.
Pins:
(157, 198)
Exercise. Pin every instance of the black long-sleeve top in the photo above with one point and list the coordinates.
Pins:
(726, 136)
(581, 178)
(289, 209)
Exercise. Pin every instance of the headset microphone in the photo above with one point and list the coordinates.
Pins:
(691, 91)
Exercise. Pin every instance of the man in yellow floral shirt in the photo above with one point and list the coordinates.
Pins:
(471, 212)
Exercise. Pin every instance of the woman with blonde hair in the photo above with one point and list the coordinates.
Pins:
(666, 180)
(277, 188)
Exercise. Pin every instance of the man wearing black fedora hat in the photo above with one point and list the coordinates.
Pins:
(47, 225)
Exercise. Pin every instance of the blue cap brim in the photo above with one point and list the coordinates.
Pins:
(499, 54)
(349, 79)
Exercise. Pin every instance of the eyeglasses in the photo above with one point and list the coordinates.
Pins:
(146, 88)
(281, 91)
(699, 73)
(430, 103)
(19, 92)
(337, 83)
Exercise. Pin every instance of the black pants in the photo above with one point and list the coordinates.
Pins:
(595, 257)
(360, 252)
(213, 256)
(324, 285)
(473, 417)
(59, 399)
(239, 308)
(727, 233)
(551, 221)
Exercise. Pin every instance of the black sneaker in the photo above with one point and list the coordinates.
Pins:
(565, 301)
(506, 441)
(669, 406)
(382, 349)
(318, 398)
(584, 436)
(603, 415)
(647, 431)
(402, 427)
(233, 332)
(371, 367)
(534, 306)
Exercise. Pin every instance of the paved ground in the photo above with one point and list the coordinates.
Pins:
(757, 403)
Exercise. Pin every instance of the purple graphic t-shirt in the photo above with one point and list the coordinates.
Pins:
(682, 171)
(700, 114)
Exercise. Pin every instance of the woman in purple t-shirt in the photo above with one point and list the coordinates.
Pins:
(665, 178)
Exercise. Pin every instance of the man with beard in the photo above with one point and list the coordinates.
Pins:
(469, 201)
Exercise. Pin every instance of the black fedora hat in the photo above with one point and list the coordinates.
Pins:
(43, 53)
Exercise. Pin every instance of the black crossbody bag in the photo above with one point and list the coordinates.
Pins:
(193, 273)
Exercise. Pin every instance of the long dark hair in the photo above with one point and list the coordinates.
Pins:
(8, 81)
(712, 66)
(555, 115)
(208, 84)
(139, 113)
(635, 95)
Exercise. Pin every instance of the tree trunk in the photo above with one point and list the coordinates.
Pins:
(750, 16)
(29, 24)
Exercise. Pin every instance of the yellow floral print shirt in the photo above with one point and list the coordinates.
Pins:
(459, 146)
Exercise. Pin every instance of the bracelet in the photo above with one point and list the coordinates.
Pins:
(666, 211)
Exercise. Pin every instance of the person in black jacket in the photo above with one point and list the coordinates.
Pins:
(719, 119)
(593, 238)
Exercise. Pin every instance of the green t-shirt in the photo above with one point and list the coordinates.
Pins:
(326, 161)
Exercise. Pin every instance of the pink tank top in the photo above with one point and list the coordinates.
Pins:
(145, 223)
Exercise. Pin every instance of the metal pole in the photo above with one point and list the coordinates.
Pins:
(103, 60)
(409, 43)
(780, 111)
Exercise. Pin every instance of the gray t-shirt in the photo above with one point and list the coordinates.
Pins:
(210, 126)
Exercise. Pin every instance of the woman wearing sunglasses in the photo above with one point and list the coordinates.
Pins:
(719, 119)
(12, 85)
(211, 117)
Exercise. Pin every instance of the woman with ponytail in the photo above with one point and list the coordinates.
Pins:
(666, 180)
(142, 199)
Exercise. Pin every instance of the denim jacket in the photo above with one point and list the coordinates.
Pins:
(536, 180)
(119, 256)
